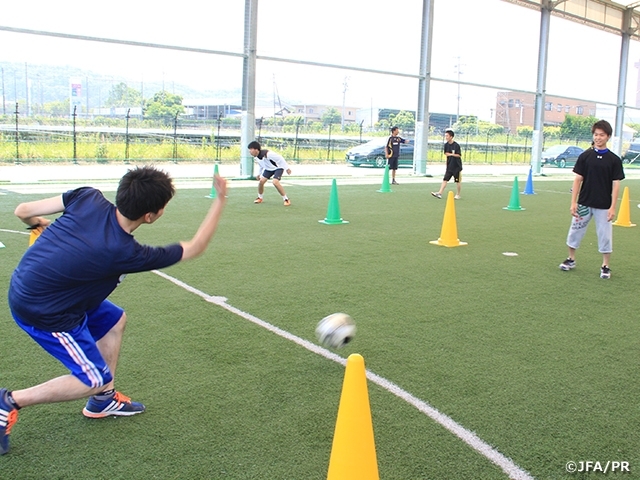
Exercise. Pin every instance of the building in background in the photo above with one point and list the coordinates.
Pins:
(516, 109)
(314, 112)
(210, 108)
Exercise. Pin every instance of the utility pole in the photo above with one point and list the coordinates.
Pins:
(458, 72)
(344, 96)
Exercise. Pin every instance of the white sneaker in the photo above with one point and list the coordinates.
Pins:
(457, 197)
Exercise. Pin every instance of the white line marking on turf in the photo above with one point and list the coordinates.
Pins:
(14, 231)
(470, 438)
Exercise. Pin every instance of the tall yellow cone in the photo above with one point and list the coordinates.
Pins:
(353, 454)
(449, 232)
(624, 215)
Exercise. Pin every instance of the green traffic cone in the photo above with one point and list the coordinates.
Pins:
(333, 212)
(514, 203)
(213, 193)
(385, 188)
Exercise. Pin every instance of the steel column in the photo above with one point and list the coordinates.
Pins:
(421, 147)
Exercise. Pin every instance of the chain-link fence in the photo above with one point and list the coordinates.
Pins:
(109, 140)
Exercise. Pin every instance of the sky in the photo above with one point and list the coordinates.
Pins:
(489, 42)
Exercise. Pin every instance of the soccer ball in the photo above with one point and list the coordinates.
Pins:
(336, 330)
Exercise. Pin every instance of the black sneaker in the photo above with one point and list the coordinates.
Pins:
(605, 272)
(568, 264)
(394, 182)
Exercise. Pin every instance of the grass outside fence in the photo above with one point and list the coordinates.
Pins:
(101, 149)
(539, 363)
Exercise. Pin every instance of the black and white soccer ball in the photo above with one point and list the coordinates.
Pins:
(336, 330)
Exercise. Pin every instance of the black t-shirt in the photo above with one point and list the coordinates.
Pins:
(454, 164)
(598, 169)
(393, 145)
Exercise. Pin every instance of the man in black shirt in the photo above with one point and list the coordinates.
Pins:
(454, 164)
(392, 152)
(595, 194)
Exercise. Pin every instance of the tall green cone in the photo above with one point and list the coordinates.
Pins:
(333, 211)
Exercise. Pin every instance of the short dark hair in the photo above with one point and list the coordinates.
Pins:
(143, 190)
(450, 132)
(394, 128)
(604, 126)
(255, 145)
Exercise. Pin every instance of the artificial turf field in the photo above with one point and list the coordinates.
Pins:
(540, 364)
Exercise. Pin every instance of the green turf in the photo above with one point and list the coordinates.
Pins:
(539, 363)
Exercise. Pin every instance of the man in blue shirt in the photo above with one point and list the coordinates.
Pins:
(58, 293)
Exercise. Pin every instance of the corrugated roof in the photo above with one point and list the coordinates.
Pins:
(604, 14)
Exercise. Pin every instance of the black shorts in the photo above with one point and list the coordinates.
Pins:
(452, 173)
(393, 163)
(277, 173)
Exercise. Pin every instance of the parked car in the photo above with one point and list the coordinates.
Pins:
(372, 153)
(633, 154)
(561, 155)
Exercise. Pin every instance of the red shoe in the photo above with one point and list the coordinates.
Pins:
(257, 200)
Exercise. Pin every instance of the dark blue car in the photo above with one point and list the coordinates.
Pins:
(372, 153)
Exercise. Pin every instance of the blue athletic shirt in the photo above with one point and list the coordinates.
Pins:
(77, 262)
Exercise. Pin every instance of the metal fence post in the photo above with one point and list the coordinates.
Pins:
(17, 137)
(218, 139)
(329, 142)
(506, 150)
(126, 138)
(175, 139)
(295, 145)
(75, 153)
(486, 152)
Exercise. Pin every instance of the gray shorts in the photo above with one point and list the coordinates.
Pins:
(604, 228)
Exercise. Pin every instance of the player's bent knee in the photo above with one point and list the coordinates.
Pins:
(122, 322)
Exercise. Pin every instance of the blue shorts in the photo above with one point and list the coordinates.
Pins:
(277, 173)
(77, 349)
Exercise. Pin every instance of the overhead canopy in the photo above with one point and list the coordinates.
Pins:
(603, 14)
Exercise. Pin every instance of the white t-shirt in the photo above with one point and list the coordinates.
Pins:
(271, 161)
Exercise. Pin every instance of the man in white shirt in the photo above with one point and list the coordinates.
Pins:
(272, 165)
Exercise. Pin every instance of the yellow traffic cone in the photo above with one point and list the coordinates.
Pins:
(624, 215)
(353, 454)
(449, 232)
(35, 233)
